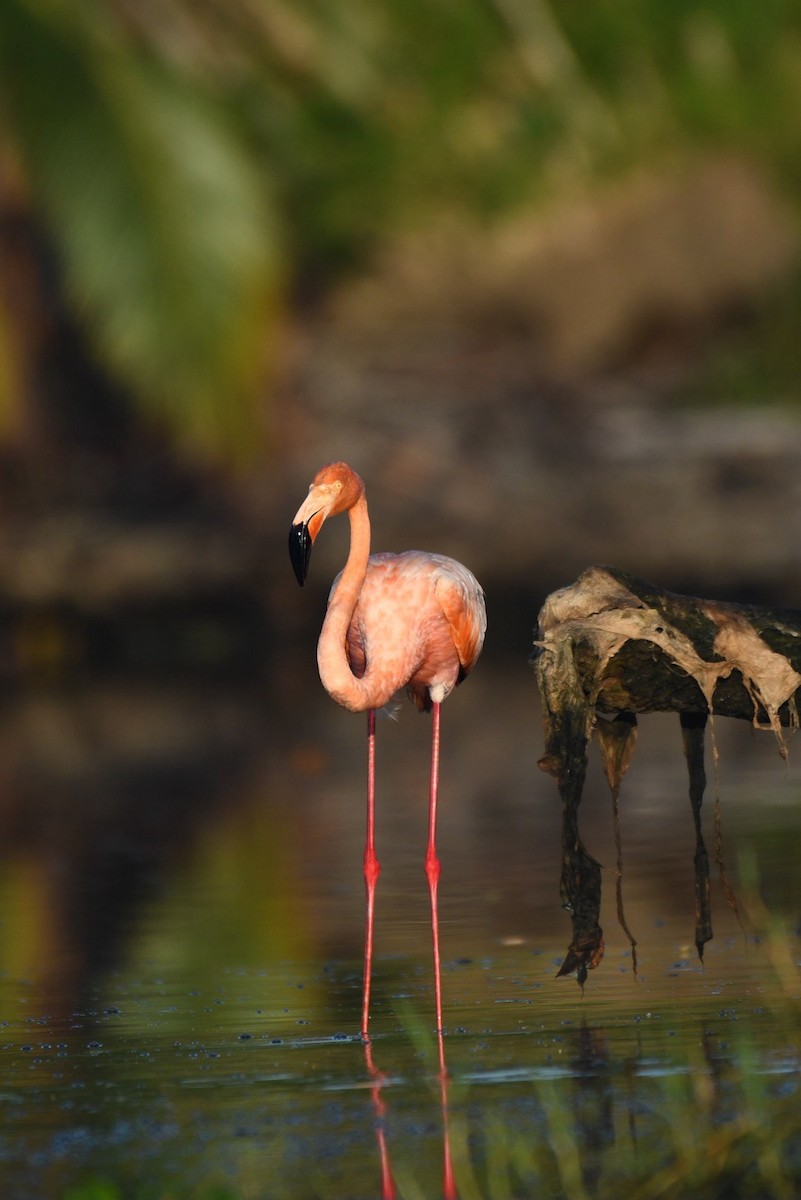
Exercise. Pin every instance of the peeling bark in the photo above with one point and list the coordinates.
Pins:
(567, 734)
(611, 646)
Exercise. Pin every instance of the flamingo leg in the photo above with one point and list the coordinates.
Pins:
(432, 863)
(432, 872)
(372, 870)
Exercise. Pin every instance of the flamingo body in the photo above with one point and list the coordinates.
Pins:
(413, 620)
(419, 619)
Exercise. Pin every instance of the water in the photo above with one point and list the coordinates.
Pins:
(180, 954)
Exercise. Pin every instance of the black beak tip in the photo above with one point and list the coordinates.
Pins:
(300, 545)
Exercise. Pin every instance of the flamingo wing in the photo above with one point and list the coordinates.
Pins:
(461, 599)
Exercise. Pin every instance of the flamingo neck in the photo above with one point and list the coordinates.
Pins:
(332, 660)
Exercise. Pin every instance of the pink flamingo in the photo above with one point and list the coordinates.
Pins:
(411, 620)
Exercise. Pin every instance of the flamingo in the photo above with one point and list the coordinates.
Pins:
(412, 620)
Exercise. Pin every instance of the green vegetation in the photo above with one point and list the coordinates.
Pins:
(196, 166)
(681, 1135)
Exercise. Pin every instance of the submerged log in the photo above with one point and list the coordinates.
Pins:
(611, 646)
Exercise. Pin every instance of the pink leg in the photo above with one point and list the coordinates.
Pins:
(432, 871)
(371, 871)
(432, 862)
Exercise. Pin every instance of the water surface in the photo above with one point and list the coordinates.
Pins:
(181, 916)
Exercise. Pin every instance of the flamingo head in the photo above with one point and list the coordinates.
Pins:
(334, 489)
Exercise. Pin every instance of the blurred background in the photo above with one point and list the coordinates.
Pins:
(531, 266)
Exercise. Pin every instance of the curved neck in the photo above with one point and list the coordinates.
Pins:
(332, 660)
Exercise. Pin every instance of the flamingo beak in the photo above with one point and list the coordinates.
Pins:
(300, 545)
(306, 524)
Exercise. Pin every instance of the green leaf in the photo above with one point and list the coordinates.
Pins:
(163, 222)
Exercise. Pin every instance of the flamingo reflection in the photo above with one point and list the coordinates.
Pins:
(380, 1108)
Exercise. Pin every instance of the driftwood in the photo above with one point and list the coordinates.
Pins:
(611, 646)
